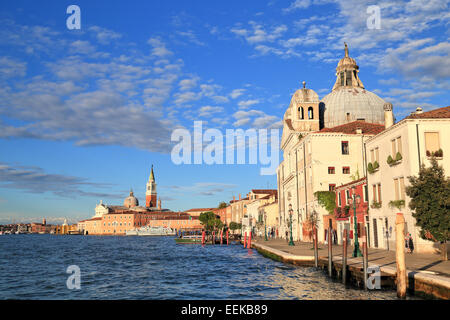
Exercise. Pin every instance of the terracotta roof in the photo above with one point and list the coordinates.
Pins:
(357, 182)
(264, 191)
(350, 128)
(433, 114)
(201, 209)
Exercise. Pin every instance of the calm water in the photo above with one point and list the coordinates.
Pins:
(34, 267)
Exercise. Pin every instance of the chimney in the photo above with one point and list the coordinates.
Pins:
(159, 204)
(388, 115)
(234, 198)
(239, 197)
(418, 110)
(358, 130)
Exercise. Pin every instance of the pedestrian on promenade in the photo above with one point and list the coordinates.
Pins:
(407, 243)
(287, 240)
(410, 244)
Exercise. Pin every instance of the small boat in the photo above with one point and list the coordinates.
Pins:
(151, 231)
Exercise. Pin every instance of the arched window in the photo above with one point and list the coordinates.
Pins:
(300, 113)
(310, 113)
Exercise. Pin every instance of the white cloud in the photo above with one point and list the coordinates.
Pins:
(237, 93)
(247, 103)
(103, 35)
(12, 68)
(208, 111)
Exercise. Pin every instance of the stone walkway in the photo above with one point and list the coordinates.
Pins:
(420, 263)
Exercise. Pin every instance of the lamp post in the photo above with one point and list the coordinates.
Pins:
(356, 200)
(265, 226)
(291, 241)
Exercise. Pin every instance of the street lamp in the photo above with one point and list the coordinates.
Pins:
(291, 241)
(265, 226)
(356, 201)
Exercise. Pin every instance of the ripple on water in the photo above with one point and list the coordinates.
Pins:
(155, 268)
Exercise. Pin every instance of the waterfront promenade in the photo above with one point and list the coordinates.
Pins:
(426, 272)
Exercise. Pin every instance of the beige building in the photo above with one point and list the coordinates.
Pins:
(269, 213)
(323, 146)
(256, 197)
(409, 143)
(238, 209)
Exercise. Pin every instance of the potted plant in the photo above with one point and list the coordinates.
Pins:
(376, 165)
(389, 160)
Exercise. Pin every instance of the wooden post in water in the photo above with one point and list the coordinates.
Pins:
(316, 249)
(344, 258)
(364, 245)
(245, 240)
(400, 255)
(249, 244)
(227, 236)
(330, 249)
(213, 237)
(221, 236)
(203, 237)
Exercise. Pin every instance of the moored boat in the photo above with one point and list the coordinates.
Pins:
(151, 231)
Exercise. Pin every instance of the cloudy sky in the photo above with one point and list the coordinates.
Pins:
(84, 113)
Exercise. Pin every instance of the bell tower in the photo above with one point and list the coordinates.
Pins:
(150, 193)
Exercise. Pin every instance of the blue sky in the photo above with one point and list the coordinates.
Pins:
(84, 113)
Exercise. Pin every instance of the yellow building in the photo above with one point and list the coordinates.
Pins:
(269, 213)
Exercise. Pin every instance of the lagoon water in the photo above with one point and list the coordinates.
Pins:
(34, 267)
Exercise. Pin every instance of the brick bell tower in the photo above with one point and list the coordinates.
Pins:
(150, 194)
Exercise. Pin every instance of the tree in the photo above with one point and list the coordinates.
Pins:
(430, 202)
(222, 205)
(235, 226)
(209, 220)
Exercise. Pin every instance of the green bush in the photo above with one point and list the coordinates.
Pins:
(370, 168)
(398, 156)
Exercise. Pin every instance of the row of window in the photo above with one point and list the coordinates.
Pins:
(301, 114)
(348, 195)
(432, 144)
(345, 170)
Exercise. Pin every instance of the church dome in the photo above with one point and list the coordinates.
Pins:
(348, 105)
(131, 201)
(349, 100)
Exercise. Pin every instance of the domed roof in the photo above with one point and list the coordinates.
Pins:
(347, 105)
(131, 201)
(346, 61)
(349, 100)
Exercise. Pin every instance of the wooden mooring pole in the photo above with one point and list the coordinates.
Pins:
(330, 249)
(400, 255)
(344, 258)
(364, 257)
(316, 249)
(245, 240)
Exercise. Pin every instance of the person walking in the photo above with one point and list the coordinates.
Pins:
(407, 243)
(287, 238)
(410, 244)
